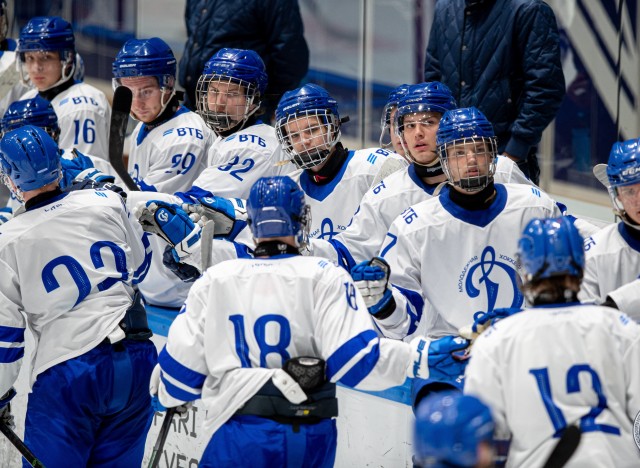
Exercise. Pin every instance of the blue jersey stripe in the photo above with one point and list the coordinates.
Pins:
(178, 393)
(345, 353)
(11, 334)
(179, 372)
(9, 355)
(362, 368)
(417, 302)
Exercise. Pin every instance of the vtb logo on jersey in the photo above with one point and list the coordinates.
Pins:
(492, 279)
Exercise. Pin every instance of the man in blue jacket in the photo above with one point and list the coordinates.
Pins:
(502, 56)
(273, 29)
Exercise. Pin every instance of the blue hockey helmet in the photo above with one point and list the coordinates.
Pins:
(551, 247)
(276, 208)
(308, 125)
(449, 427)
(392, 103)
(30, 158)
(462, 132)
(44, 34)
(232, 72)
(145, 57)
(36, 111)
(623, 167)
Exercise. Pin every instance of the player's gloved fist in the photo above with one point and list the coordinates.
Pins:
(5, 408)
(435, 359)
(483, 320)
(184, 271)
(154, 388)
(5, 214)
(228, 214)
(170, 222)
(372, 280)
(80, 168)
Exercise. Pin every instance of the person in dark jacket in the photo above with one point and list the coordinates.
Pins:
(502, 56)
(273, 28)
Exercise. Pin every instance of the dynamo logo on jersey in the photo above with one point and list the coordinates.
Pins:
(636, 429)
(492, 280)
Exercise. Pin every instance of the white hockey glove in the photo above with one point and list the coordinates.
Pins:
(154, 388)
(228, 214)
(436, 359)
(372, 280)
(170, 222)
(5, 409)
(5, 214)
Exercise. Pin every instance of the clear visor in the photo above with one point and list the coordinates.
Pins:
(225, 102)
(308, 137)
(45, 61)
(418, 121)
(469, 163)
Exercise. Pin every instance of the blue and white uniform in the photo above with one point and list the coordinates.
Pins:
(226, 344)
(235, 162)
(67, 266)
(612, 259)
(333, 204)
(447, 263)
(382, 204)
(83, 116)
(550, 366)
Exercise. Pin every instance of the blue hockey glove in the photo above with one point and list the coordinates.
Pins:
(88, 184)
(79, 168)
(187, 273)
(482, 320)
(372, 280)
(5, 214)
(435, 358)
(170, 222)
(228, 214)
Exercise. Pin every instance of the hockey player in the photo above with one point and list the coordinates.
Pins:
(169, 145)
(453, 430)
(229, 98)
(333, 178)
(11, 85)
(282, 330)
(67, 269)
(559, 362)
(46, 49)
(468, 227)
(416, 123)
(613, 254)
(388, 117)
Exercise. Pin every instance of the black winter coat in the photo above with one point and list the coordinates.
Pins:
(503, 57)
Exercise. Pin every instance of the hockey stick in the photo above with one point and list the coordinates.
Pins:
(206, 237)
(162, 437)
(122, 99)
(17, 443)
(565, 448)
(600, 171)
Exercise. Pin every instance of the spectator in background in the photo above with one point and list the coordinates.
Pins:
(502, 56)
(272, 28)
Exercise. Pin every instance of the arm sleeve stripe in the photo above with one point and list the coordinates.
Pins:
(179, 372)
(11, 334)
(345, 259)
(347, 351)
(178, 393)
(362, 368)
(418, 304)
(143, 269)
(9, 355)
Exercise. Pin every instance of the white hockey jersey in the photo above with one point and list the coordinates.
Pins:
(612, 259)
(244, 315)
(83, 117)
(67, 265)
(333, 204)
(236, 162)
(382, 204)
(11, 85)
(551, 366)
(448, 263)
(170, 157)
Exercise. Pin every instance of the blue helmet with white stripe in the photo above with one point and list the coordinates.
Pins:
(36, 111)
(449, 427)
(276, 208)
(551, 247)
(145, 57)
(30, 158)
